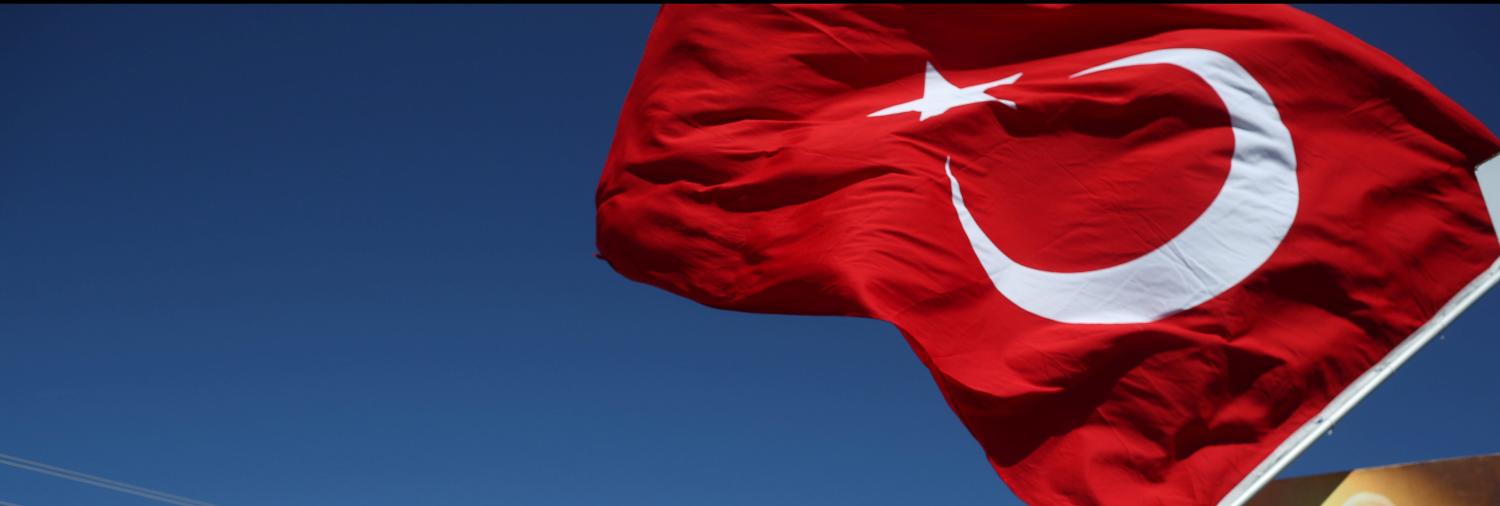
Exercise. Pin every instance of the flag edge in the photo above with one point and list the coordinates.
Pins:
(1319, 424)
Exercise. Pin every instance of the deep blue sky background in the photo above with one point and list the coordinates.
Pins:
(344, 255)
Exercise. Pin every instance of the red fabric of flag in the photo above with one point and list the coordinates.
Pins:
(1137, 246)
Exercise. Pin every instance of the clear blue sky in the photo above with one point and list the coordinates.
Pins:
(344, 255)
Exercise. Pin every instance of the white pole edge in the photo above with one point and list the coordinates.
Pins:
(1488, 174)
(1489, 185)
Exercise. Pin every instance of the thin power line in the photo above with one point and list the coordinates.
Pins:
(88, 479)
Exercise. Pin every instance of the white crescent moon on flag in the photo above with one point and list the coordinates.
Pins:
(1235, 235)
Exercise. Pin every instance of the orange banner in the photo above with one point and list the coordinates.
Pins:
(1461, 481)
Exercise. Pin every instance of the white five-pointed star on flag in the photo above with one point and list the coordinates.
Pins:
(939, 95)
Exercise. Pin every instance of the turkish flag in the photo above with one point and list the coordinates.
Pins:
(1139, 247)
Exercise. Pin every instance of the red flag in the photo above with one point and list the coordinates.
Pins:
(1139, 247)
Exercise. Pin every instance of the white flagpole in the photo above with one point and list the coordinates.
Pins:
(1489, 185)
